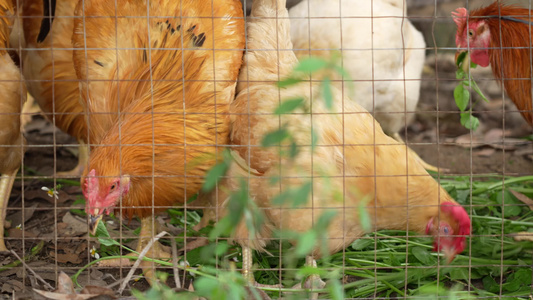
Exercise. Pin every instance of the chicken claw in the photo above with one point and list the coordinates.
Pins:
(157, 251)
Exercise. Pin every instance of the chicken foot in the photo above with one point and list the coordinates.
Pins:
(247, 273)
(313, 282)
(6, 184)
(425, 165)
(157, 251)
(83, 158)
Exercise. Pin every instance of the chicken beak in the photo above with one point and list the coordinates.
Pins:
(93, 223)
(449, 254)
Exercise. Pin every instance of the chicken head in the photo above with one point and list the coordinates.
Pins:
(102, 195)
(449, 230)
(474, 34)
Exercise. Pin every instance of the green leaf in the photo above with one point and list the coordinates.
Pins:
(364, 217)
(314, 139)
(214, 175)
(462, 97)
(306, 243)
(476, 89)
(288, 106)
(311, 64)
(295, 196)
(301, 194)
(469, 121)
(423, 255)
(293, 150)
(457, 273)
(362, 244)
(326, 92)
(490, 284)
(288, 82)
(325, 219)
(336, 291)
(275, 137)
(461, 58)
(205, 286)
(103, 236)
(460, 74)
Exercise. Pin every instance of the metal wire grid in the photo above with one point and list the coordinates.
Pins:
(26, 181)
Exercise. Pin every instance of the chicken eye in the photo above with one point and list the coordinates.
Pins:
(471, 32)
(446, 230)
(113, 186)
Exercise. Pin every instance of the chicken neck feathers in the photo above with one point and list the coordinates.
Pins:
(509, 52)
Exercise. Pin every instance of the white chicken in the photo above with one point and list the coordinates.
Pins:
(382, 52)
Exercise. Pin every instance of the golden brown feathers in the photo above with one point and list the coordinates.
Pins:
(166, 115)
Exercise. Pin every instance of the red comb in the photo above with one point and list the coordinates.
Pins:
(460, 215)
(91, 184)
(462, 218)
(459, 16)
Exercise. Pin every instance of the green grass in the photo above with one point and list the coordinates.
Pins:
(390, 264)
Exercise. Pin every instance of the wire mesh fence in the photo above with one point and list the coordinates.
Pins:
(375, 149)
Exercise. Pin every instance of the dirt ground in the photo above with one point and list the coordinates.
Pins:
(500, 148)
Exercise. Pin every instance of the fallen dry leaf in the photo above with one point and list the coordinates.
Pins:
(40, 194)
(487, 152)
(16, 218)
(65, 291)
(493, 138)
(66, 257)
(12, 285)
(523, 236)
(98, 290)
(525, 199)
(15, 233)
(72, 226)
(467, 141)
(94, 278)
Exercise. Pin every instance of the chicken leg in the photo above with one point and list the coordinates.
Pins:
(83, 158)
(6, 184)
(425, 165)
(313, 282)
(247, 273)
(157, 251)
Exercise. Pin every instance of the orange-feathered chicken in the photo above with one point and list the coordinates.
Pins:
(13, 96)
(500, 35)
(353, 156)
(159, 127)
(48, 67)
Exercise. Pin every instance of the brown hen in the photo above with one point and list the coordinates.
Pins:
(12, 99)
(48, 67)
(354, 163)
(157, 83)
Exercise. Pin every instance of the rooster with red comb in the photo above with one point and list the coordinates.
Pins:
(500, 35)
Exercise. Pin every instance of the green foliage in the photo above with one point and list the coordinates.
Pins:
(461, 93)
(289, 106)
(213, 176)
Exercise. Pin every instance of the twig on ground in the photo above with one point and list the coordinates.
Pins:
(138, 261)
(46, 284)
(175, 263)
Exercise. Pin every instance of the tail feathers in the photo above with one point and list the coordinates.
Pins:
(6, 20)
(274, 4)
